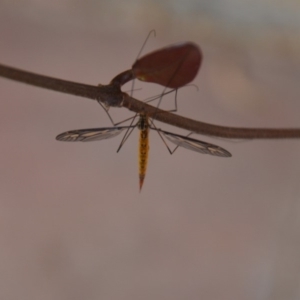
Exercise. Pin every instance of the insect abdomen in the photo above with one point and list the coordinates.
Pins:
(143, 154)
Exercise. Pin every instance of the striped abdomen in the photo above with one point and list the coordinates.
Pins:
(143, 148)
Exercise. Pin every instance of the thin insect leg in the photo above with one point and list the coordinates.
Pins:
(175, 109)
(146, 40)
(194, 85)
(150, 99)
(170, 151)
(172, 110)
(130, 129)
(179, 145)
(127, 91)
(127, 133)
(139, 54)
(157, 130)
(170, 80)
(115, 124)
(124, 121)
(126, 136)
(106, 108)
(176, 92)
(159, 102)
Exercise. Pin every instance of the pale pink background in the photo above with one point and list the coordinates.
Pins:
(73, 224)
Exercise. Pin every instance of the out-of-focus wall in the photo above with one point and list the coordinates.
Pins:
(73, 224)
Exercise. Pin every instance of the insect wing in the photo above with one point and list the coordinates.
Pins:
(195, 145)
(172, 66)
(90, 135)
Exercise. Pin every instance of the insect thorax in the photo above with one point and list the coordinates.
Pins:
(143, 123)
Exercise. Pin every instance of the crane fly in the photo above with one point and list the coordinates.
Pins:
(143, 124)
(173, 67)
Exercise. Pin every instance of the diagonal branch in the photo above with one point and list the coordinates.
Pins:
(111, 95)
(108, 94)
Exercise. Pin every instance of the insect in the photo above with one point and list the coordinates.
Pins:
(144, 124)
(173, 67)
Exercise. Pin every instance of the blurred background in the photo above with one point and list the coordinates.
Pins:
(73, 224)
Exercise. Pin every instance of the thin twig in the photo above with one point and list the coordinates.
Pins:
(111, 95)
(210, 129)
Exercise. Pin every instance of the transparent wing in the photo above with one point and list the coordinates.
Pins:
(91, 134)
(195, 145)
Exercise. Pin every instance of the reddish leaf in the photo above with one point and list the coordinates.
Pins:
(173, 66)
